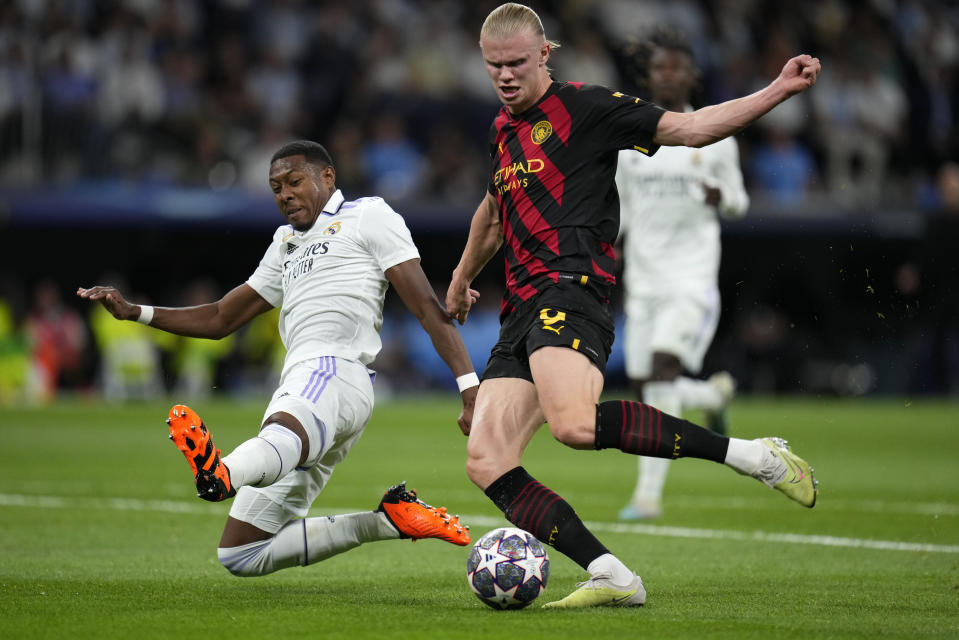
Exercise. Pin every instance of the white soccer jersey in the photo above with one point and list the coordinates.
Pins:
(672, 235)
(330, 280)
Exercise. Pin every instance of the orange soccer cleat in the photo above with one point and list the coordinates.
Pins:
(191, 436)
(417, 520)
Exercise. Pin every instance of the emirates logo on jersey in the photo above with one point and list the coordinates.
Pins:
(333, 229)
(541, 131)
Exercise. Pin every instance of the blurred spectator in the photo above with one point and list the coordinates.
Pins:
(275, 87)
(782, 169)
(193, 362)
(129, 86)
(346, 142)
(262, 354)
(129, 355)
(861, 114)
(391, 161)
(255, 157)
(57, 337)
(586, 59)
(14, 358)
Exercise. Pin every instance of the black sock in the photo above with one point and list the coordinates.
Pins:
(642, 429)
(532, 507)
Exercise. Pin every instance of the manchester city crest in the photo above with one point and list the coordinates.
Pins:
(541, 131)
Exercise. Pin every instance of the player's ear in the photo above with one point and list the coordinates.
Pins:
(328, 174)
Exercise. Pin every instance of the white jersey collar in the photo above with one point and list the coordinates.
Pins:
(334, 203)
(331, 208)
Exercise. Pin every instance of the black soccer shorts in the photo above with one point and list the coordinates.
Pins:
(564, 315)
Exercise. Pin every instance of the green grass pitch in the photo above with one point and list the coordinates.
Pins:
(102, 536)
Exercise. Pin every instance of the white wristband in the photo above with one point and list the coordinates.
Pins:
(146, 314)
(467, 380)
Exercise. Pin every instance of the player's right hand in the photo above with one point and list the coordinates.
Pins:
(112, 301)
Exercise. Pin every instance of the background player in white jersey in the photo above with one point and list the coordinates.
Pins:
(668, 209)
(329, 270)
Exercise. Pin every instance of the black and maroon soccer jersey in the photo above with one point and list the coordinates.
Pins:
(552, 172)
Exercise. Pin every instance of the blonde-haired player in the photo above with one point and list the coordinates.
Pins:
(551, 205)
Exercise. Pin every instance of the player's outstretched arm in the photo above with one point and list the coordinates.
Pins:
(713, 123)
(213, 320)
(417, 294)
(485, 238)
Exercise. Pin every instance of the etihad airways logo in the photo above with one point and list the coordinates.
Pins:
(513, 175)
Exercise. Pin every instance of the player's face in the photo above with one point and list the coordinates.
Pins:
(517, 66)
(301, 189)
(671, 78)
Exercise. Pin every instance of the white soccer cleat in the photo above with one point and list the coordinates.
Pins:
(784, 471)
(599, 591)
(725, 384)
(640, 510)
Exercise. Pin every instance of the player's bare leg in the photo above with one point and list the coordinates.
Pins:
(568, 400)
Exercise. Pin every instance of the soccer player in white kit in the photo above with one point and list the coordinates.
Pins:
(671, 249)
(328, 269)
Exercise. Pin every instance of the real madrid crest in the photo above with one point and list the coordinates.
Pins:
(541, 131)
(332, 229)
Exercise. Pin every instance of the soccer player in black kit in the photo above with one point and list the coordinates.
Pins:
(553, 206)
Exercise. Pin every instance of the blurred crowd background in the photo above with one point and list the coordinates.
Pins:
(135, 137)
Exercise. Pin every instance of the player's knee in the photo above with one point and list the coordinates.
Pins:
(481, 469)
(246, 560)
(578, 433)
(666, 367)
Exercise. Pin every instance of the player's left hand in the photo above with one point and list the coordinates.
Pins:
(799, 74)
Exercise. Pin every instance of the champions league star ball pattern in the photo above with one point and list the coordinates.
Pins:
(507, 568)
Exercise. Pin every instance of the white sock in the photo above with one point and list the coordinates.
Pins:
(608, 565)
(698, 394)
(652, 479)
(263, 460)
(307, 541)
(745, 456)
(664, 396)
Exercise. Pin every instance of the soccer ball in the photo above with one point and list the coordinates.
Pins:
(507, 568)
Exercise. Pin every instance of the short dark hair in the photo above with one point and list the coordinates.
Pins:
(636, 52)
(314, 152)
(671, 39)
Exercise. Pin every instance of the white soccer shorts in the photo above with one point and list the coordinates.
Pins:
(333, 399)
(680, 323)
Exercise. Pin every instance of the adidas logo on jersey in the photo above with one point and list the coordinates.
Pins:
(290, 248)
